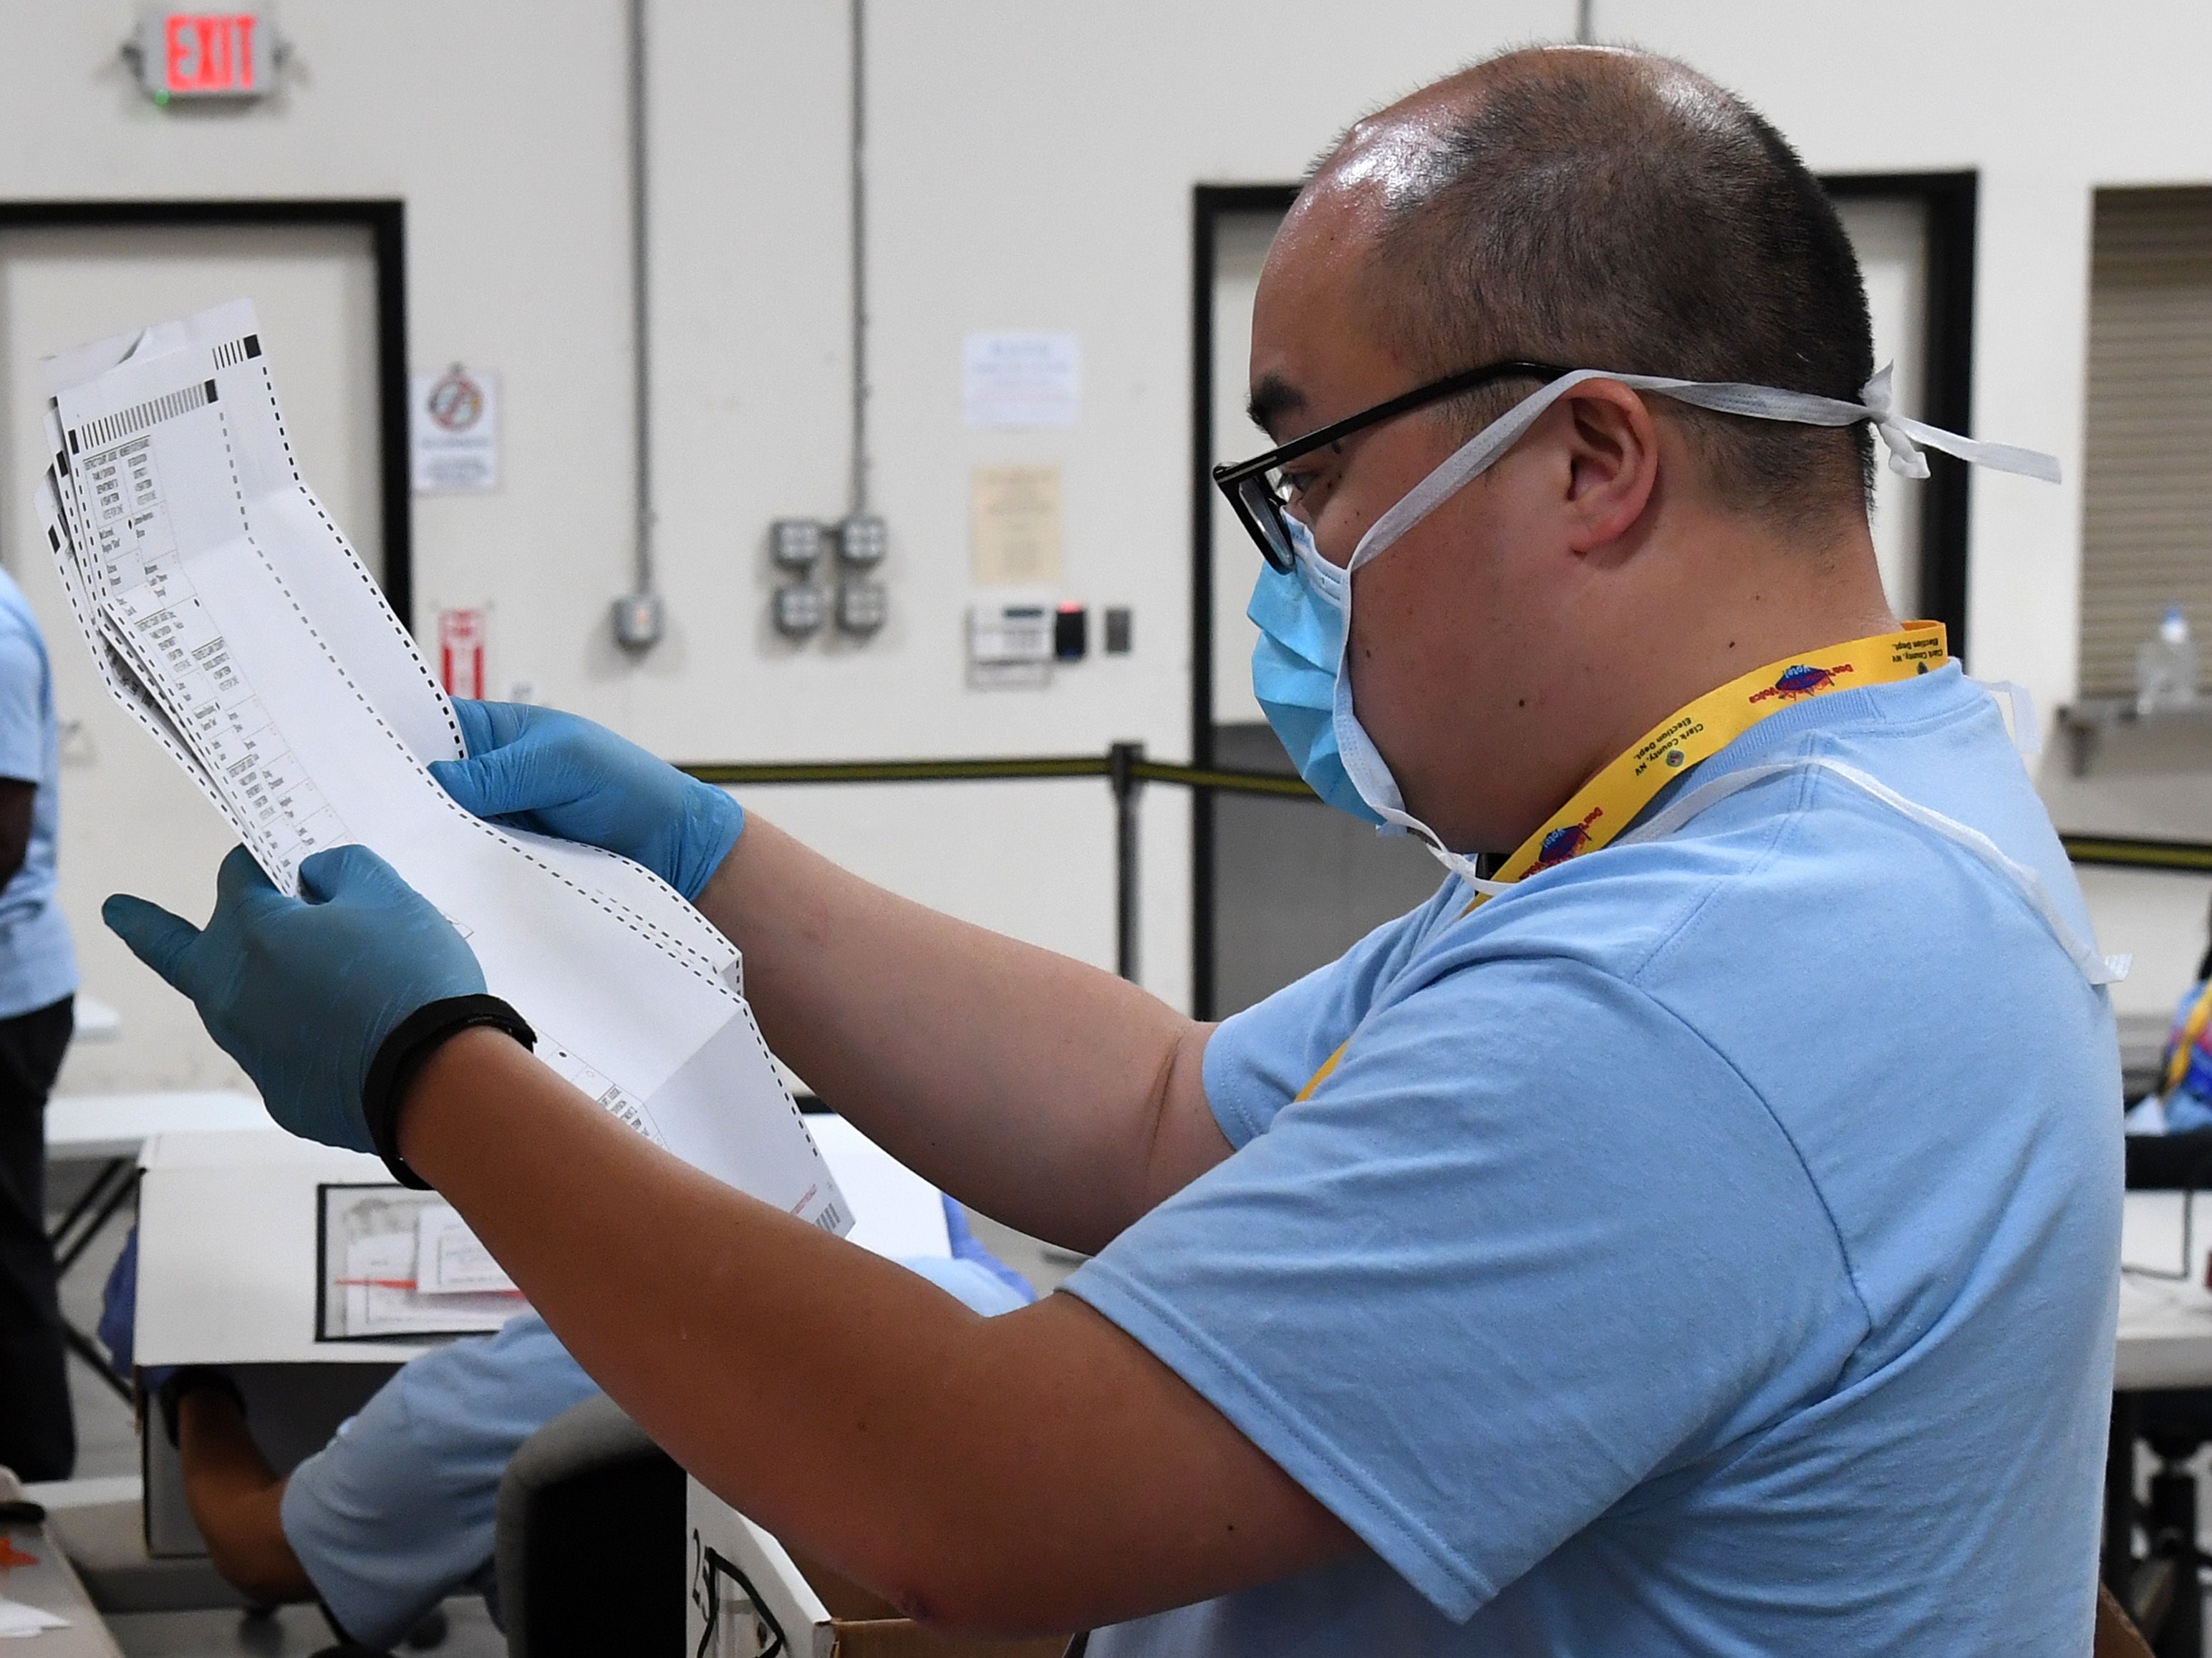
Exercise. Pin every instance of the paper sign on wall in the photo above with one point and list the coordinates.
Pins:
(453, 431)
(1014, 524)
(1021, 380)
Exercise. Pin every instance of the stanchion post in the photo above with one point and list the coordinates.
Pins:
(1121, 762)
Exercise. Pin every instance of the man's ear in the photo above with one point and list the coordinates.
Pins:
(1613, 463)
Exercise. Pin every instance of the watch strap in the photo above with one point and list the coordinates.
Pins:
(402, 1053)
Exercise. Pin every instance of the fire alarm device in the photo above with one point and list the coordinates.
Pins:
(194, 55)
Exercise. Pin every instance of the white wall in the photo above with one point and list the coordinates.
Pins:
(1031, 168)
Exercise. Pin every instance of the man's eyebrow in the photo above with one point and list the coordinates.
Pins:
(1272, 399)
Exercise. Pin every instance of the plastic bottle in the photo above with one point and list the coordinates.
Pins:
(2167, 667)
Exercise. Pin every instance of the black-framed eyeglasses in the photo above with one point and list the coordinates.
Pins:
(1260, 498)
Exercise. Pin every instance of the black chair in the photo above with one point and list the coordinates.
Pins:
(589, 1541)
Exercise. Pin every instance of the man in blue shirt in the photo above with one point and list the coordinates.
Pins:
(38, 983)
(1697, 1235)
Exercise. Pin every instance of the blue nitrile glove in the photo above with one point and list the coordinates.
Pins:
(560, 774)
(303, 992)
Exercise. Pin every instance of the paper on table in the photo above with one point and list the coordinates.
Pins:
(384, 1297)
(17, 1620)
(213, 589)
(450, 1262)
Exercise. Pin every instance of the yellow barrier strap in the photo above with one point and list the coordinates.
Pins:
(1236, 782)
(771, 771)
(896, 771)
(2179, 855)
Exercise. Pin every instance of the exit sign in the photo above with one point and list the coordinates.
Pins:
(205, 54)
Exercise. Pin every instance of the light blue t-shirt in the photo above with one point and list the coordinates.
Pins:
(1708, 1248)
(37, 965)
(397, 1511)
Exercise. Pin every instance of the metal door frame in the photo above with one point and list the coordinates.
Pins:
(386, 224)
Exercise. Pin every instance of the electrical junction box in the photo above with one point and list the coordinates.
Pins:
(1011, 645)
(795, 544)
(800, 610)
(863, 606)
(863, 539)
(193, 55)
(637, 620)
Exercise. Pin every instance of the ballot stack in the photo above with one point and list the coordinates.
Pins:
(228, 614)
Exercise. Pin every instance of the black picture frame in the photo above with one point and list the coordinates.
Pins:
(328, 1195)
(1949, 200)
(386, 221)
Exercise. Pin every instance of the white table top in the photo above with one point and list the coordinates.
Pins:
(87, 1127)
(51, 1586)
(2165, 1325)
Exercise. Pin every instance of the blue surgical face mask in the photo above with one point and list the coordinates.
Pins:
(1304, 616)
(1301, 615)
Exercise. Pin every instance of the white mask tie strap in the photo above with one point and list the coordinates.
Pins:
(1901, 435)
(2097, 969)
(2026, 735)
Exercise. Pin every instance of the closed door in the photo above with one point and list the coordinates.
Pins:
(130, 821)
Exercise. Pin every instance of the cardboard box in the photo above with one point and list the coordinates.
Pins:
(228, 1275)
(758, 1601)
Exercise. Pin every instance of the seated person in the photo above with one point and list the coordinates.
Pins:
(396, 1512)
(2182, 1102)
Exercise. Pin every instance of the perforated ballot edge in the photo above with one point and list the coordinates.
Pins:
(694, 1097)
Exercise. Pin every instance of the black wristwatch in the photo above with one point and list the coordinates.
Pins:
(402, 1054)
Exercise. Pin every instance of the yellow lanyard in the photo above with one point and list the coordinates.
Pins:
(1609, 802)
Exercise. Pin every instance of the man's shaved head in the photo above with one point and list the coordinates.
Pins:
(1603, 208)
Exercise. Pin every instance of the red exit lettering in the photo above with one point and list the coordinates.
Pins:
(209, 52)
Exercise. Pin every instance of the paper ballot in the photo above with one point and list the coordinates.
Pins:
(19, 1620)
(227, 613)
